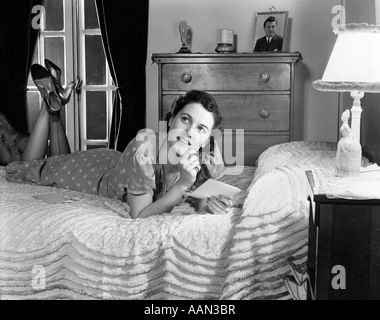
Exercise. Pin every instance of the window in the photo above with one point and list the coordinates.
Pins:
(70, 37)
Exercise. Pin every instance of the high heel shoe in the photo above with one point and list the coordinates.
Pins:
(63, 93)
(44, 82)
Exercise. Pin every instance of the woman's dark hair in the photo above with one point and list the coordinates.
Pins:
(196, 96)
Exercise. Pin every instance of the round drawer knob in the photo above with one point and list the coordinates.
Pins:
(264, 76)
(264, 113)
(186, 77)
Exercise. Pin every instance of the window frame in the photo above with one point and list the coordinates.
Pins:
(108, 87)
(74, 114)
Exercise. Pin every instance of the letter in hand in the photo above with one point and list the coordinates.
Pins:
(222, 204)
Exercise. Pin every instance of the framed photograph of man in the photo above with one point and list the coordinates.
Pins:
(269, 31)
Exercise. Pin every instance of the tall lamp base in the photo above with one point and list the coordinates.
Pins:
(356, 111)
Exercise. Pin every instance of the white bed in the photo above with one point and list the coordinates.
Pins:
(89, 248)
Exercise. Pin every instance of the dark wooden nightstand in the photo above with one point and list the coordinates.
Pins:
(344, 234)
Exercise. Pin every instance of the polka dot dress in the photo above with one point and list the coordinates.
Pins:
(103, 171)
(100, 171)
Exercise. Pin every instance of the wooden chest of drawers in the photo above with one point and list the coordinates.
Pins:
(254, 92)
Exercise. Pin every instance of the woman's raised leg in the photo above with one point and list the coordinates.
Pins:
(58, 139)
(47, 126)
(36, 146)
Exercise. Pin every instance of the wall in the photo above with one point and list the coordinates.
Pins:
(370, 128)
(371, 110)
(310, 33)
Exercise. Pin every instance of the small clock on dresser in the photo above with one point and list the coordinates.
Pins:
(254, 91)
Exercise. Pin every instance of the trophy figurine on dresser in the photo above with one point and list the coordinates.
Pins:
(185, 35)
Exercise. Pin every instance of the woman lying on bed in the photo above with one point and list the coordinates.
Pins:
(152, 174)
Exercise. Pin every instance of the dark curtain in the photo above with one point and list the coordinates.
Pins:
(17, 42)
(124, 27)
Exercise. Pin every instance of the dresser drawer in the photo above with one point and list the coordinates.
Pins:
(229, 77)
(248, 111)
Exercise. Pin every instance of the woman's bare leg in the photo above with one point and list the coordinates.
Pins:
(37, 143)
(58, 138)
(47, 126)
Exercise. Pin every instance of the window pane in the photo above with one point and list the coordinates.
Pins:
(54, 51)
(92, 147)
(96, 113)
(95, 61)
(90, 16)
(54, 15)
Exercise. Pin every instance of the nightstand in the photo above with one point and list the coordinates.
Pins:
(344, 248)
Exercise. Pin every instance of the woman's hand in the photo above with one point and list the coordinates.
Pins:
(221, 204)
(189, 167)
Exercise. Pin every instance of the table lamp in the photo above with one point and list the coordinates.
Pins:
(354, 66)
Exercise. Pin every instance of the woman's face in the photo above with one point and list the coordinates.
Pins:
(190, 128)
